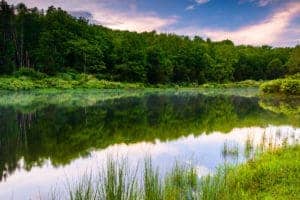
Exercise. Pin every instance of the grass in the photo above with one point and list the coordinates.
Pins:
(272, 175)
(230, 149)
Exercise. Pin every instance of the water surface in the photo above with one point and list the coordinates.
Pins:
(47, 138)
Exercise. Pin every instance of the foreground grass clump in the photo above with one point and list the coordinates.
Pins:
(287, 86)
(273, 175)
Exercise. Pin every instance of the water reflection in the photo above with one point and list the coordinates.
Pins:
(62, 139)
(204, 151)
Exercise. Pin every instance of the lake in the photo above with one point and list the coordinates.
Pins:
(49, 139)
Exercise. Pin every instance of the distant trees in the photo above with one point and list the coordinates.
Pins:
(275, 69)
(293, 63)
(7, 38)
(54, 42)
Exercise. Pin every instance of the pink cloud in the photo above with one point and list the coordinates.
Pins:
(101, 12)
(260, 3)
(272, 31)
(265, 32)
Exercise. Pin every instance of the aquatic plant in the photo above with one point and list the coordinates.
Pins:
(274, 175)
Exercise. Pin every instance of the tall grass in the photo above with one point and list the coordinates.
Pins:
(275, 168)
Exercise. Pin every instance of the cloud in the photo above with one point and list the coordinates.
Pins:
(263, 3)
(197, 2)
(190, 7)
(273, 31)
(202, 1)
(115, 14)
(260, 3)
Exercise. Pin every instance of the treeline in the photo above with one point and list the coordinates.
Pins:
(53, 42)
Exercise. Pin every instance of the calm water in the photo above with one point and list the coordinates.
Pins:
(49, 139)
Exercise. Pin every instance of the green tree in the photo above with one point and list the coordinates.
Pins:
(275, 69)
(55, 41)
(159, 67)
(293, 64)
(7, 38)
(84, 56)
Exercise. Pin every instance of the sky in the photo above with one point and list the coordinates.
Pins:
(254, 22)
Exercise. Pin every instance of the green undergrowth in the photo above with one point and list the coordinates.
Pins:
(82, 81)
(61, 81)
(285, 86)
(242, 84)
(29, 79)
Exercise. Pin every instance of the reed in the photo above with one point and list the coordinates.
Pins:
(274, 174)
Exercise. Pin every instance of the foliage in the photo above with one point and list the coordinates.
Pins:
(242, 84)
(36, 80)
(287, 86)
(294, 61)
(17, 84)
(29, 72)
(54, 42)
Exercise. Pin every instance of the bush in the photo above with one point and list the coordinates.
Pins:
(281, 86)
(60, 81)
(29, 72)
(57, 83)
(65, 76)
(92, 83)
(271, 86)
(290, 87)
(16, 84)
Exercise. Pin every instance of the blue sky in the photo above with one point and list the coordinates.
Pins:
(256, 22)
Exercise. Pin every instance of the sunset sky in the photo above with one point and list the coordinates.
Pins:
(256, 22)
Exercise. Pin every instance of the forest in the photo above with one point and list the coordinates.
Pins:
(53, 42)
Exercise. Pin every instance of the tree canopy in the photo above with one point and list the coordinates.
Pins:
(53, 41)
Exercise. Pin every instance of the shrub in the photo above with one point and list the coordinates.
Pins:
(16, 84)
(57, 83)
(289, 86)
(29, 72)
(62, 81)
(271, 86)
(92, 83)
(286, 86)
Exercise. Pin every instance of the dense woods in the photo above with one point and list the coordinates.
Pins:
(54, 42)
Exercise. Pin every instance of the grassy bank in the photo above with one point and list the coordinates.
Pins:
(285, 86)
(272, 175)
(242, 84)
(27, 79)
(83, 82)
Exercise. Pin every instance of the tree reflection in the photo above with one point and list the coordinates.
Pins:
(63, 133)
